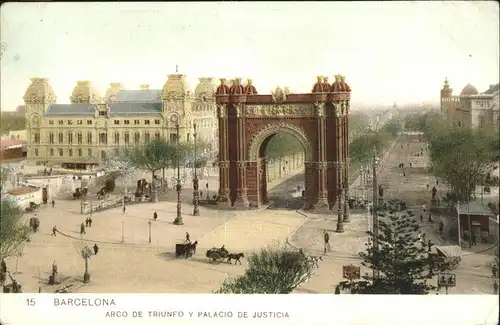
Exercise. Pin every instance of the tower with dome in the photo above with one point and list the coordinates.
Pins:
(470, 109)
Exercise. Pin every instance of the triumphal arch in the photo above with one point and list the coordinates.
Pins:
(247, 120)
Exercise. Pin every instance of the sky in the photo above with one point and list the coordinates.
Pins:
(390, 52)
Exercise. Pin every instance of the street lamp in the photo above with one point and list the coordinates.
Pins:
(196, 193)
(178, 187)
(340, 220)
(149, 224)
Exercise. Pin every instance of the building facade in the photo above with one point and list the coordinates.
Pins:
(471, 109)
(91, 128)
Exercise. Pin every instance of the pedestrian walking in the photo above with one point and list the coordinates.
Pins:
(54, 231)
(474, 240)
(429, 245)
(326, 238)
(429, 218)
(437, 182)
(86, 222)
(124, 209)
(155, 215)
(96, 249)
(441, 227)
(495, 287)
(421, 217)
(411, 165)
(53, 202)
(3, 266)
(187, 237)
(54, 267)
(404, 174)
(90, 222)
(82, 229)
(427, 186)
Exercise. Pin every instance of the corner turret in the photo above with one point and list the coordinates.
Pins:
(84, 93)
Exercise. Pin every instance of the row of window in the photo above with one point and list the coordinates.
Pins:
(116, 122)
(70, 122)
(136, 122)
(79, 152)
(103, 137)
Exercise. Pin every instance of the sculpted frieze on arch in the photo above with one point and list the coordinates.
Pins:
(279, 110)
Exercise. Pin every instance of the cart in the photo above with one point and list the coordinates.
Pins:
(217, 255)
(446, 257)
(185, 250)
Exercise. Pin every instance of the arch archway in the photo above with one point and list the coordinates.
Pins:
(318, 120)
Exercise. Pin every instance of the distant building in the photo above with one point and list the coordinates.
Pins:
(471, 108)
(91, 128)
(12, 150)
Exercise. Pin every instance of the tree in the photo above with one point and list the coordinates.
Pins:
(271, 271)
(13, 232)
(4, 176)
(12, 122)
(401, 259)
(282, 145)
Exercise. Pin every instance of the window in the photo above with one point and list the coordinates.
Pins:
(147, 137)
(102, 113)
(103, 138)
(146, 122)
(61, 153)
(70, 137)
(79, 152)
(117, 138)
(51, 138)
(127, 138)
(103, 154)
(51, 122)
(89, 122)
(126, 122)
(70, 122)
(36, 137)
(61, 137)
(157, 122)
(51, 152)
(137, 138)
(136, 122)
(116, 122)
(36, 152)
(89, 137)
(89, 152)
(157, 135)
(61, 122)
(481, 121)
(173, 137)
(79, 137)
(80, 122)
(70, 152)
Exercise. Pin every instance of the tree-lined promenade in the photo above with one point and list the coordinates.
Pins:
(462, 158)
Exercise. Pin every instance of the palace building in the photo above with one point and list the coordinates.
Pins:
(471, 108)
(91, 128)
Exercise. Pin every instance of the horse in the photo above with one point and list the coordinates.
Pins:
(235, 257)
(192, 246)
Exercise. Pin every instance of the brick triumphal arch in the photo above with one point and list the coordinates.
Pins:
(247, 120)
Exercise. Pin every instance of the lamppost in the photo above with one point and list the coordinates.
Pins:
(340, 220)
(208, 196)
(196, 193)
(178, 219)
(149, 224)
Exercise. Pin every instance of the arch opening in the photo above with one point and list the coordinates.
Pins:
(280, 156)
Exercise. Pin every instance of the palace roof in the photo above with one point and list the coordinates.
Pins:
(130, 108)
(71, 110)
(139, 96)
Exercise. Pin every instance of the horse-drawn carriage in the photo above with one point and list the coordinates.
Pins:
(186, 249)
(217, 255)
(32, 207)
(446, 257)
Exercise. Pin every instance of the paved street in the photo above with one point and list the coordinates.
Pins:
(473, 274)
(136, 265)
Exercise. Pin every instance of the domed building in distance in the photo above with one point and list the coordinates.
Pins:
(93, 127)
(471, 109)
